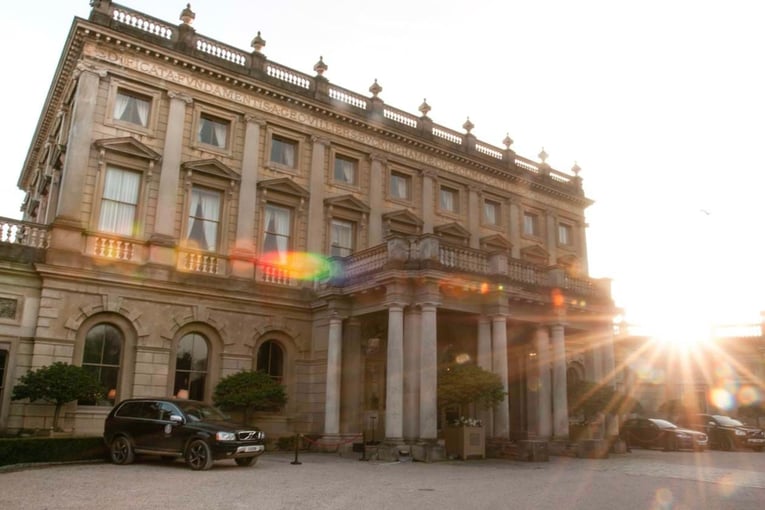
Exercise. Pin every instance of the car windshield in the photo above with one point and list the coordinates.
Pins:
(197, 411)
(664, 424)
(726, 421)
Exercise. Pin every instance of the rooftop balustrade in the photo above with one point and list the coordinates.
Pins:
(184, 38)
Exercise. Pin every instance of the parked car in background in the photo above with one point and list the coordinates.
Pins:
(658, 433)
(726, 433)
(173, 428)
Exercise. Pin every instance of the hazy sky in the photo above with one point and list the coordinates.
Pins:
(660, 102)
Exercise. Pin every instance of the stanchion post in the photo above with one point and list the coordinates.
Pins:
(363, 445)
(296, 462)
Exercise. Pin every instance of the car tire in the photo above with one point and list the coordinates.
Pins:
(121, 451)
(199, 455)
(246, 461)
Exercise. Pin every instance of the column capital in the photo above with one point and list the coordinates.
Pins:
(320, 140)
(430, 172)
(378, 157)
(180, 96)
(255, 119)
(88, 67)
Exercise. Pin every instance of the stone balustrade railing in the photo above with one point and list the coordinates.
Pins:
(185, 39)
(23, 233)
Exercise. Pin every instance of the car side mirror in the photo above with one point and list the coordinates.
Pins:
(176, 419)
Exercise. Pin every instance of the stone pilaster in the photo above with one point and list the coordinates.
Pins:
(376, 196)
(316, 222)
(428, 201)
(515, 230)
(474, 216)
(79, 145)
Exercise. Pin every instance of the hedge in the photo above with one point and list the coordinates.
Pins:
(50, 449)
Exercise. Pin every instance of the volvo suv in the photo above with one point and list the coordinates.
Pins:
(726, 433)
(175, 428)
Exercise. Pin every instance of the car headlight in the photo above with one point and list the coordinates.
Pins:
(740, 433)
(225, 436)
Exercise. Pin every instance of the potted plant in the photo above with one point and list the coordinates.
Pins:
(463, 388)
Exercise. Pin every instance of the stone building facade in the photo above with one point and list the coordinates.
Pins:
(193, 210)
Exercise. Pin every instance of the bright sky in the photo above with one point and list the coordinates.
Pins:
(660, 102)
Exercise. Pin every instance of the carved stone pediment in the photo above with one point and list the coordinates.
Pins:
(211, 167)
(347, 202)
(402, 222)
(127, 146)
(283, 185)
(535, 254)
(452, 230)
(496, 242)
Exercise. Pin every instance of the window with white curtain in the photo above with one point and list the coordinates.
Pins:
(530, 224)
(132, 107)
(491, 212)
(341, 238)
(119, 201)
(276, 230)
(565, 236)
(204, 218)
(213, 131)
(400, 185)
(449, 199)
(345, 169)
(283, 151)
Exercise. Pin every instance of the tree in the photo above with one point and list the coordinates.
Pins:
(249, 391)
(58, 383)
(589, 399)
(463, 384)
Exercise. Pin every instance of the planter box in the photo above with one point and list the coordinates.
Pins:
(464, 442)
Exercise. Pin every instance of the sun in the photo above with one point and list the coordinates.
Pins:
(676, 329)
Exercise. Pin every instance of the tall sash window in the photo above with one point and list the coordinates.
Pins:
(276, 238)
(204, 218)
(119, 201)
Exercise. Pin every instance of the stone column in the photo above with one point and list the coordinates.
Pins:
(412, 340)
(428, 373)
(560, 397)
(499, 365)
(334, 361)
(316, 224)
(515, 230)
(394, 381)
(428, 201)
(544, 398)
(484, 361)
(474, 217)
(79, 145)
(244, 248)
(376, 196)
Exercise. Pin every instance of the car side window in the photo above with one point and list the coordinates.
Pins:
(130, 410)
(166, 410)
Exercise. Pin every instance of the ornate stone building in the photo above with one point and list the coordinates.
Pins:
(193, 210)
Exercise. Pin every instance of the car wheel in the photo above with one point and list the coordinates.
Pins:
(121, 451)
(245, 461)
(199, 455)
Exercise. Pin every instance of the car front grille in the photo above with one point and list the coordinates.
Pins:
(249, 435)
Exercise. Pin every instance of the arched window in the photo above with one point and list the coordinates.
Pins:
(102, 355)
(191, 366)
(271, 360)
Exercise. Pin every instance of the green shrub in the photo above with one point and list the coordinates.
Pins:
(50, 449)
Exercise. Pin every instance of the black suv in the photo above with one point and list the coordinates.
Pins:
(172, 428)
(726, 433)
